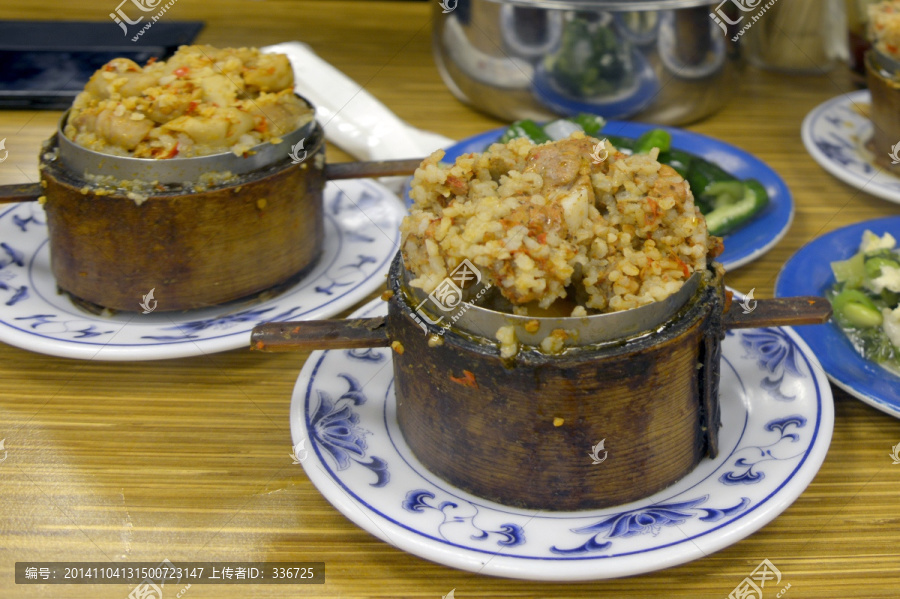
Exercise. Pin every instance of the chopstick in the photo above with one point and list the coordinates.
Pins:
(19, 192)
(29, 192)
(309, 335)
(375, 168)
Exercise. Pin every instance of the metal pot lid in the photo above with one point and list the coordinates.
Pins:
(466, 315)
(82, 161)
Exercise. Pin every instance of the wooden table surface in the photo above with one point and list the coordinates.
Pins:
(188, 459)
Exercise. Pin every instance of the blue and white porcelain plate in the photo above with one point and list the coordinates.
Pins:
(777, 420)
(808, 272)
(835, 135)
(743, 245)
(362, 222)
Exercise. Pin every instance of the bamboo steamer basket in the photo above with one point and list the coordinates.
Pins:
(196, 247)
(520, 431)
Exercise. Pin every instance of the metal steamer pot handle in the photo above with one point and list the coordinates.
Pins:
(356, 333)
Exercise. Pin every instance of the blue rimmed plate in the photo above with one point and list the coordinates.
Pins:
(744, 245)
(808, 272)
(777, 420)
(835, 135)
(361, 236)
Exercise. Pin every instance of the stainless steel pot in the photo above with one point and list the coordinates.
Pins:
(665, 61)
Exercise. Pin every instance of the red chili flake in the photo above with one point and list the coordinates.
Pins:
(684, 267)
(654, 208)
(181, 72)
(467, 380)
(150, 60)
(192, 106)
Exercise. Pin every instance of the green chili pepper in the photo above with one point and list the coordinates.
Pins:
(721, 221)
(591, 123)
(654, 138)
(678, 160)
(724, 193)
(702, 173)
(873, 265)
(853, 307)
(525, 128)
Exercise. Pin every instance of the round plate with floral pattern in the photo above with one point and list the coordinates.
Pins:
(835, 135)
(777, 420)
(362, 223)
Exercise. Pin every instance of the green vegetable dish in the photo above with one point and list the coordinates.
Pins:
(866, 299)
(727, 202)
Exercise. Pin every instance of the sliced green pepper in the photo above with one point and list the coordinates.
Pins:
(654, 138)
(873, 266)
(678, 160)
(525, 128)
(853, 307)
(702, 173)
(724, 193)
(591, 123)
(721, 221)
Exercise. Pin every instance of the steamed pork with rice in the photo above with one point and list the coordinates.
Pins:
(551, 224)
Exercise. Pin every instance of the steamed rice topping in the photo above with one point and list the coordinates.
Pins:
(545, 222)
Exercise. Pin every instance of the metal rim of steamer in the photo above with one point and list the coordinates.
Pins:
(84, 161)
(483, 322)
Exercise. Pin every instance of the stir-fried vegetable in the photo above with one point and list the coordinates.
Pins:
(866, 299)
(726, 202)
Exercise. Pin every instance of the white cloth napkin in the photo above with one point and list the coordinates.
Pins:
(353, 118)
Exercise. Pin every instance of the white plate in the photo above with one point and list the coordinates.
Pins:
(777, 417)
(362, 221)
(835, 135)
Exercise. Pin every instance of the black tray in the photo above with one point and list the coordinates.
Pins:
(44, 64)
